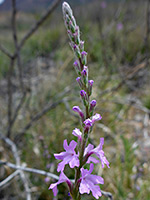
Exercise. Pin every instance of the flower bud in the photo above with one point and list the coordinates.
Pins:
(92, 106)
(84, 75)
(78, 79)
(84, 97)
(66, 9)
(79, 111)
(90, 85)
(82, 46)
(88, 123)
(71, 27)
(76, 132)
(77, 51)
(73, 20)
(77, 67)
(70, 35)
(84, 57)
(77, 35)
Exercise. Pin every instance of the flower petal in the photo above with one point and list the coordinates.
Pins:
(72, 145)
(84, 187)
(74, 162)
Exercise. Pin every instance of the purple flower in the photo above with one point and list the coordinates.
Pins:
(83, 94)
(48, 165)
(98, 152)
(89, 181)
(69, 156)
(75, 63)
(103, 4)
(84, 97)
(93, 103)
(119, 26)
(91, 82)
(78, 110)
(62, 178)
(47, 179)
(41, 137)
(76, 132)
(85, 71)
(92, 106)
(75, 46)
(83, 53)
(96, 117)
(88, 123)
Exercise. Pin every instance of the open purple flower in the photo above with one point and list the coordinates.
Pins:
(96, 118)
(89, 181)
(98, 152)
(88, 123)
(62, 178)
(69, 156)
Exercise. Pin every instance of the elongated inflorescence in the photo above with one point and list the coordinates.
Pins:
(78, 157)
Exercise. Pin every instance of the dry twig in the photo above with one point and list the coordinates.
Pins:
(17, 159)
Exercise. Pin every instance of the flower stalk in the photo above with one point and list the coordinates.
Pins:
(84, 180)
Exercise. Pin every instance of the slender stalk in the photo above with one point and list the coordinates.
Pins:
(9, 93)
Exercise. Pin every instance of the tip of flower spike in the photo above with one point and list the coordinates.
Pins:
(66, 8)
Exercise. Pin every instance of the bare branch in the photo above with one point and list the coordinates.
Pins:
(27, 169)
(18, 108)
(9, 178)
(9, 92)
(40, 22)
(5, 51)
(15, 38)
(14, 31)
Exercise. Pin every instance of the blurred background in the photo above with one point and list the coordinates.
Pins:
(38, 90)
